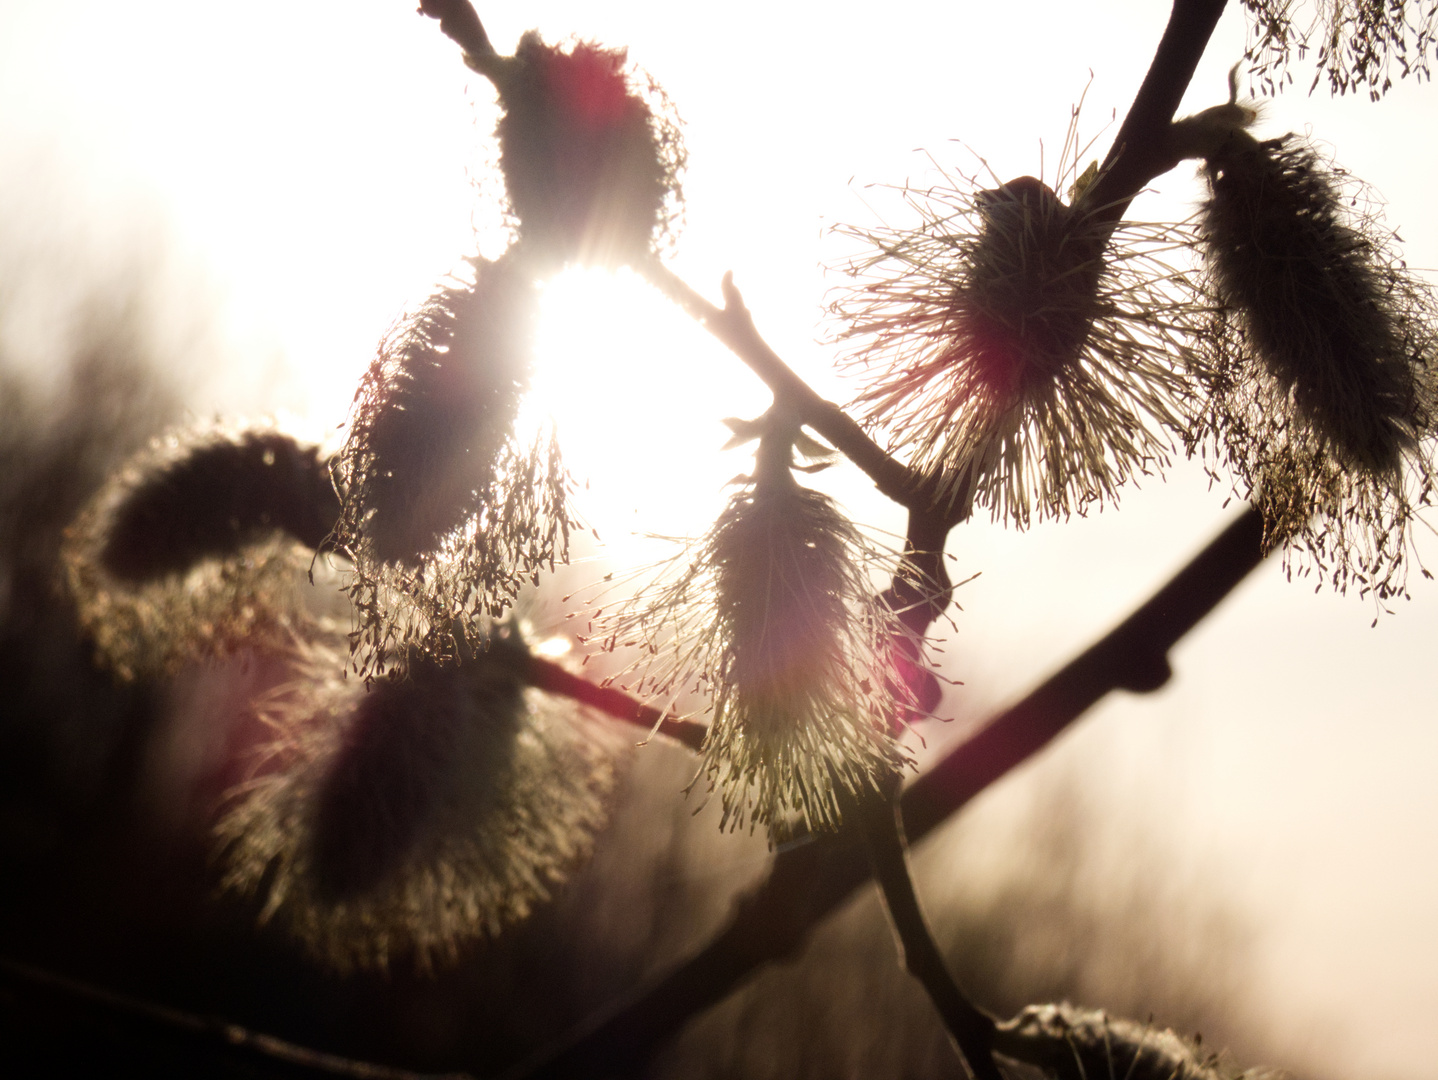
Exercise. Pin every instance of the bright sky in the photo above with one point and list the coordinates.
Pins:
(313, 167)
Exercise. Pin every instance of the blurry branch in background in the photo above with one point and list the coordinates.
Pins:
(209, 1043)
(971, 1029)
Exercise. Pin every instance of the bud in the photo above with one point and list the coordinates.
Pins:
(199, 546)
(416, 815)
(1017, 353)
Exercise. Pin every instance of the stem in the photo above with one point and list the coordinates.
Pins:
(460, 23)
(734, 326)
(1139, 152)
(971, 1029)
(551, 677)
(770, 923)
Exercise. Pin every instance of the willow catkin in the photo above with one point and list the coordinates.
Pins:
(1316, 300)
(591, 166)
(417, 816)
(1016, 351)
(446, 512)
(199, 546)
(434, 414)
(799, 680)
(1088, 1043)
(1322, 349)
(773, 615)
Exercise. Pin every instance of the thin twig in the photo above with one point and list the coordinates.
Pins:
(213, 1040)
(970, 1027)
(551, 677)
(460, 23)
(734, 326)
(1140, 149)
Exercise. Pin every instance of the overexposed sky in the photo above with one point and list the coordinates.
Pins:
(311, 170)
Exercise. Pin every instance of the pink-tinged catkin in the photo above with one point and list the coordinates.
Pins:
(773, 616)
(1021, 350)
(591, 163)
(409, 819)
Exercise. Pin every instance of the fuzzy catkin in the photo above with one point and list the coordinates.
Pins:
(1314, 299)
(417, 816)
(1088, 1043)
(773, 616)
(794, 723)
(434, 413)
(1018, 352)
(446, 513)
(1321, 365)
(207, 493)
(590, 167)
(199, 546)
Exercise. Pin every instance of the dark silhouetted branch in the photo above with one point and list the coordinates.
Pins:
(551, 677)
(1133, 656)
(1140, 149)
(460, 23)
(971, 1029)
(809, 881)
(734, 326)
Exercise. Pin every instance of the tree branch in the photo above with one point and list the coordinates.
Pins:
(734, 326)
(971, 1029)
(1133, 656)
(809, 881)
(1140, 149)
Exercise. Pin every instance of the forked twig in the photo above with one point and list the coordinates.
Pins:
(734, 326)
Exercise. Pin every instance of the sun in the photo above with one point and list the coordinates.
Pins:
(637, 394)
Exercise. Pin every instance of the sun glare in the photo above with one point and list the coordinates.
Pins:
(637, 394)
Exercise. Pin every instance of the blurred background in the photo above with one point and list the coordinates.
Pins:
(218, 211)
